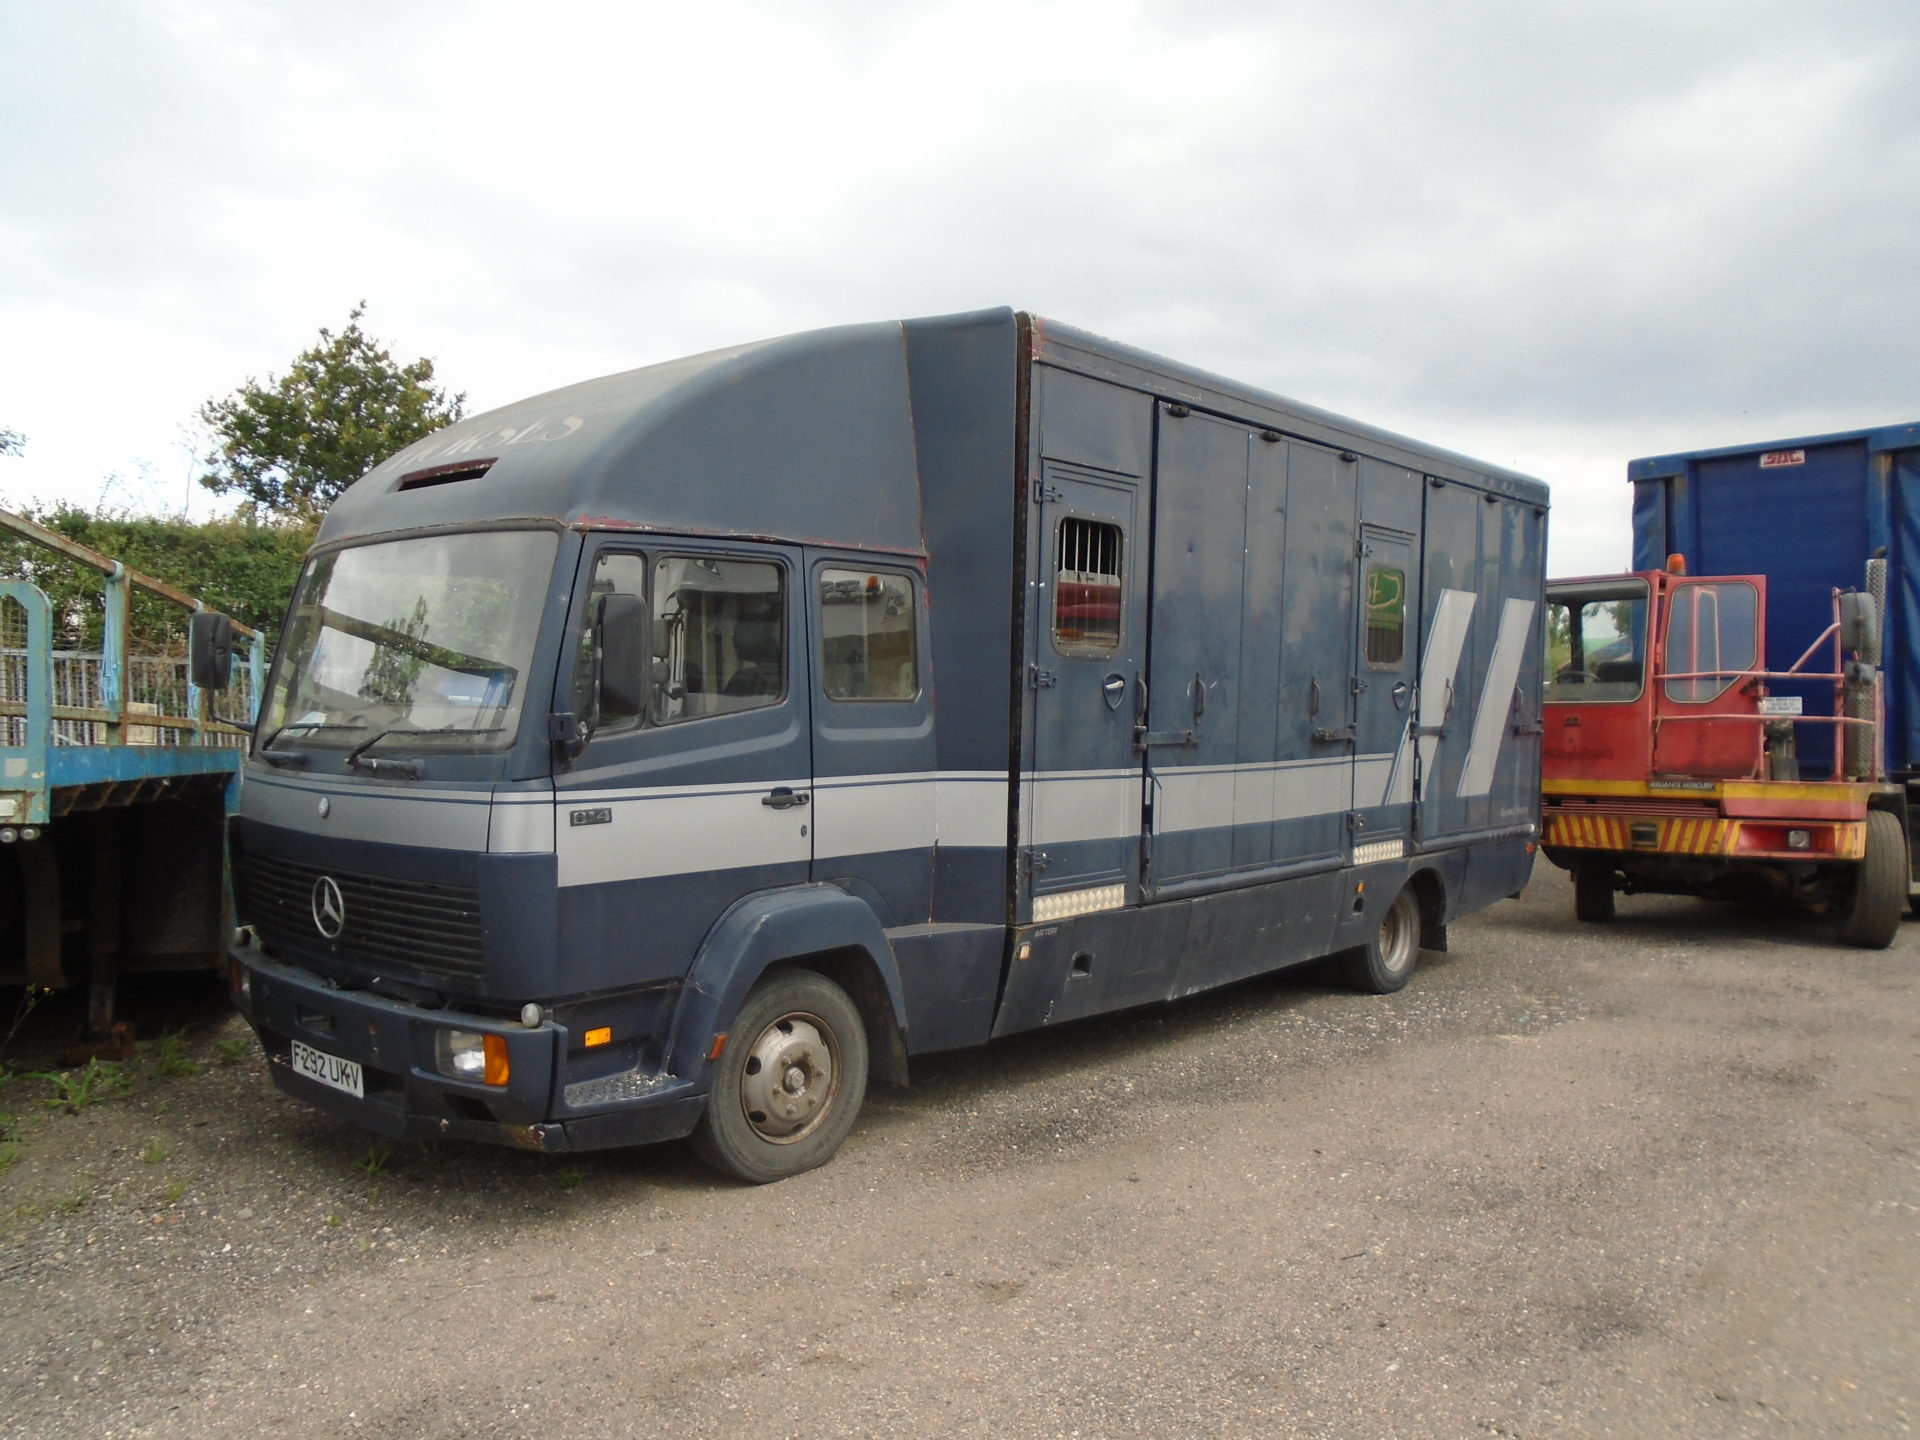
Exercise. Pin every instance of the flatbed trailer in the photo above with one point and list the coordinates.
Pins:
(117, 774)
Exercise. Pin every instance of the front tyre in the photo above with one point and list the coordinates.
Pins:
(1870, 915)
(788, 1086)
(1385, 963)
(1593, 890)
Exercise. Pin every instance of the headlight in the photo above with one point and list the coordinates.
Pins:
(1799, 840)
(469, 1055)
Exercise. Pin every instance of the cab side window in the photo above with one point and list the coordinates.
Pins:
(867, 636)
(719, 636)
(617, 573)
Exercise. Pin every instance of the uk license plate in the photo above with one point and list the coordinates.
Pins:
(329, 1070)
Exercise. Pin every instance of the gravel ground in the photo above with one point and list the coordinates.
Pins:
(1652, 1179)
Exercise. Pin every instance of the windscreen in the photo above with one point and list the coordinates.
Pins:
(421, 644)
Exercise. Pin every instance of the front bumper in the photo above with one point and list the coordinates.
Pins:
(407, 1098)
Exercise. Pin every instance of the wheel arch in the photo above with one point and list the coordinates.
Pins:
(811, 927)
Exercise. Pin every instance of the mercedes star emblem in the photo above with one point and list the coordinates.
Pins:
(329, 909)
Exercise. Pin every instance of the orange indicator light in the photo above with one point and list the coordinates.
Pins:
(719, 1046)
(495, 1049)
(599, 1037)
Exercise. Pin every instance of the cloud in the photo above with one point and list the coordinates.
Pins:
(1569, 234)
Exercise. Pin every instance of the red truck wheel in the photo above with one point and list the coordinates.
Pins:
(1870, 916)
(1592, 890)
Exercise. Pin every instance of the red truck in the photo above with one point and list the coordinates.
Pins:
(1669, 767)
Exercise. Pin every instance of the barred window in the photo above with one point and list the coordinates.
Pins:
(1086, 587)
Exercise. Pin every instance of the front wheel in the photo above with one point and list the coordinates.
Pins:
(1385, 963)
(788, 1087)
(1870, 915)
(1593, 890)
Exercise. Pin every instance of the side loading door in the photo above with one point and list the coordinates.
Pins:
(1082, 800)
(700, 792)
(1386, 641)
(1477, 730)
(1191, 743)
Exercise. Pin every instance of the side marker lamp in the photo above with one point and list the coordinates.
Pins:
(597, 1037)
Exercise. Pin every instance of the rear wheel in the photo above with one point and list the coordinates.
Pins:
(1385, 963)
(1593, 890)
(1870, 916)
(788, 1086)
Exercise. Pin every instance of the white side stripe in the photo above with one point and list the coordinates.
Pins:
(1496, 698)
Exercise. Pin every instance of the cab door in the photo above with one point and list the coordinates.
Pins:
(1710, 640)
(700, 792)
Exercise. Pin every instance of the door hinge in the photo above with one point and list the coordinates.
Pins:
(1362, 549)
(1355, 820)
(1045, 494)
(1357, 684)
(1041, 679)
(1329, 737)
(1034, 861)
(1529, 727)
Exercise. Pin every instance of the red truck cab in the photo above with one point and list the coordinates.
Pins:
(1670, 768)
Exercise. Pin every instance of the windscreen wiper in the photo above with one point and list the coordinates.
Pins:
(358, 759)
(266, 745)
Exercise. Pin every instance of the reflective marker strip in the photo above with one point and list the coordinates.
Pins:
(1068, 903)
(1379, 850)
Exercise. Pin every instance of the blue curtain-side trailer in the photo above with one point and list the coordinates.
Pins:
(665, 754)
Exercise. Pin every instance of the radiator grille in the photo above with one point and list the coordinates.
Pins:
(401, 925)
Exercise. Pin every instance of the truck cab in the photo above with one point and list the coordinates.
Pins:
(1670, 765)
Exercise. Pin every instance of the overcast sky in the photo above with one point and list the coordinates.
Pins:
(1555, 236)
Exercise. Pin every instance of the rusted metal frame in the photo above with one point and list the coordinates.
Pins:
(105, 717)
(93, 559)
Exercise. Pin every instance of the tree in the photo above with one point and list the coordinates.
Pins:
(12, 442)
(294, 443)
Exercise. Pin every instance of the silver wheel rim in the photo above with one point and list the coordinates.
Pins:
(1399, 935)
(790, 1079)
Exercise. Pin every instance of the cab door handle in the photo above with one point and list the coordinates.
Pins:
(784, 797)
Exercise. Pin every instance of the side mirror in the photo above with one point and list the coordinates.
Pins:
(624, 663)
(1860, 625)
(210, 649)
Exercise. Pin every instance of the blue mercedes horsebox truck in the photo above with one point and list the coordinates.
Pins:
(668, 753)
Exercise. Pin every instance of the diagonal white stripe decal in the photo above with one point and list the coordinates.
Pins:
(1445, 641)
(1496, 698)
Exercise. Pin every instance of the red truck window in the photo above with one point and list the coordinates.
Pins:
(1712, 638)
(1597, 642)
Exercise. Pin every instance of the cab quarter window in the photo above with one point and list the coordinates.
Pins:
(719, 636)
(867, 645)
(1086, 587)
